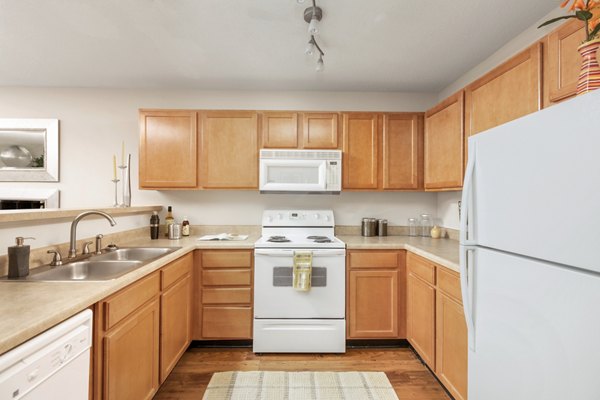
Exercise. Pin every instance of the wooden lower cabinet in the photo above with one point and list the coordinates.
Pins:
(140, 333)
(436, 325)
(130, 369)
(175, 324)
(373, 304)
(451, 345)
(222, 284)
(420, 311)
(376, 294)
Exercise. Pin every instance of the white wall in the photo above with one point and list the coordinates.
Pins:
(520, 42)
(93, 122)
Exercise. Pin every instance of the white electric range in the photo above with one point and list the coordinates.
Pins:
(291, 321)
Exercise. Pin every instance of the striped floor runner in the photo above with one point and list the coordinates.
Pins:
(275, 385)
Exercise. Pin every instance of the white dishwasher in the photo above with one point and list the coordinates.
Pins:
(53, 365)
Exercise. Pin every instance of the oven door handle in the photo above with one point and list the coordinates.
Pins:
(287, 253)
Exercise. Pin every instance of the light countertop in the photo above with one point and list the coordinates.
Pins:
(441, 251)
(29, 308)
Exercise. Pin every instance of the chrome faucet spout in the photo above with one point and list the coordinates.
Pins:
(73, 239)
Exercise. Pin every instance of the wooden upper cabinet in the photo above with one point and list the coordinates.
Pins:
(402, 151)
(279, 130)
(508, 92)
(562, 62)
(168, 149)
(320, 130)
(229, 150)
(361, 150)
(444, 141)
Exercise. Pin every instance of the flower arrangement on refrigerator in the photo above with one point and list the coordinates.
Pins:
(583, 10)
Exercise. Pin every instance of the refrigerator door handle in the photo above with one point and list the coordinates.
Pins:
(466, 283)
(465, 237)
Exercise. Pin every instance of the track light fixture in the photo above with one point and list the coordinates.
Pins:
(312, 16)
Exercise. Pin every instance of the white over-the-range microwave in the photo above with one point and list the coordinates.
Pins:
(300, 171)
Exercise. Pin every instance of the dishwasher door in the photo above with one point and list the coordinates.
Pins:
(53, 365)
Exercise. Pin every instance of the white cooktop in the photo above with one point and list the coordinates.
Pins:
(295, 229)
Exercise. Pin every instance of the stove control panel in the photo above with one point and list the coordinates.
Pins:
(298, 218)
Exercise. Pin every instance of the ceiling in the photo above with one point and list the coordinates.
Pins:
(370, 45)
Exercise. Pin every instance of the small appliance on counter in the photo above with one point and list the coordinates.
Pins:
(299, 284)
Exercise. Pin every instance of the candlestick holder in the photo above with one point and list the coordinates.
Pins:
(115, 181)
(123, 169)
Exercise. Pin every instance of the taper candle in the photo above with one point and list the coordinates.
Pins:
(114, 166)
(123, 152)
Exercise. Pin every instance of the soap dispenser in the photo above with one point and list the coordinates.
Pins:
(18, 259)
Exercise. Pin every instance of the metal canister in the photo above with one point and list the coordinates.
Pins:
(369, 227)
(174, 231)
(382, 225)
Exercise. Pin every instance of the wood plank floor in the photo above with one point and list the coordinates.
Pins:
(409, 377)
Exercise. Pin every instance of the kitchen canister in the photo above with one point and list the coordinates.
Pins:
(412, 227)
(174, 231)
(382, 225)
(369, 227)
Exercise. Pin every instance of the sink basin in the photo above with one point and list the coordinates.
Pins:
(86, 271)
(136, 253)
(102, 267)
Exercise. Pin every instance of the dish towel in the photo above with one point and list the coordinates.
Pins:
(302, 270)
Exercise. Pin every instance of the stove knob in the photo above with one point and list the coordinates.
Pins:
(327, 218)
(270, 218)
(280, 216)
(317, 216)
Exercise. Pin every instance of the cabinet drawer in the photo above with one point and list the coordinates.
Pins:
(449, 282)
(421, 267)
(226, 296)
(373, 259)
(226, 277)
(226, 259)
(227, 322)
(129, 299)
(176, 270)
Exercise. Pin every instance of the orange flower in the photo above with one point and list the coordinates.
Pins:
(580, 4)
(594, 23)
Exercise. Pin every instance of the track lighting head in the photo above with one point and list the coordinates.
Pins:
(312, 15)
(320, 64)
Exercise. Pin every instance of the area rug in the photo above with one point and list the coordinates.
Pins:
(277, 385)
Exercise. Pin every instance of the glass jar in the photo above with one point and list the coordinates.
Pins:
(426, 225)
(412, 227)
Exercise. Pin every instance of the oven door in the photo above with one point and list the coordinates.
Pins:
(293, 175)
(274, 296)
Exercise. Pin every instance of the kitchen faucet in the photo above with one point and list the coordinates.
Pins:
(73, 240)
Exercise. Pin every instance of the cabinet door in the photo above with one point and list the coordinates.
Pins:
(373, 304)
(320, 130)
(402, 151)
(562, 62)
(168, 149)
(279, 130)
(131, 356)
(510, 91)
(444, 140)
(175, 324)
(229, 150)
(361, 151)
(451, 346)
(420, 311)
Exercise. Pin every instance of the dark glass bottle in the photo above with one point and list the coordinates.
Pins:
(154, 225)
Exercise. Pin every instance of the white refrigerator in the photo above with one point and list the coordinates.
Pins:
(530, 256)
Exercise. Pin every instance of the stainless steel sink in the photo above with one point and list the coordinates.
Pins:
(101, 267)
(136, 253)
(86, 271)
